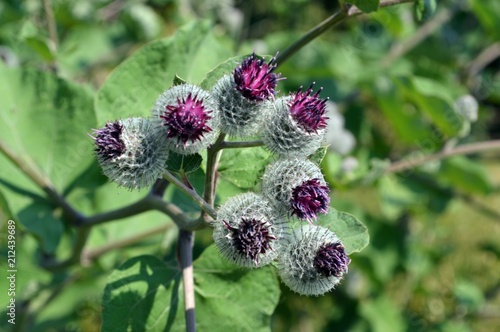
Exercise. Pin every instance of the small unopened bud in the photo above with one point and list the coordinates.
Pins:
(312, 260)
(247, 230)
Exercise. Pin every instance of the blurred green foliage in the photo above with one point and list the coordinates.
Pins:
(433, 260)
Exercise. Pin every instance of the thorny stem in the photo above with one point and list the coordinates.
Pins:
(337, 18)
(185, 253)
(407, 164)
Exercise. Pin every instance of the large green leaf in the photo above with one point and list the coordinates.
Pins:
(133, 87)
(487, 13)
(178, 163)
(224, 68)
(409, 125)
(465, 174)
(244, 167)
(353, 234)
(434, 100)
(146, 294)
(44, 120)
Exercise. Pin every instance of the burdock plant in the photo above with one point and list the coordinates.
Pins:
(253, 229)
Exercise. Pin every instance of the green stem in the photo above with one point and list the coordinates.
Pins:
(337, 18)
(237, 145)
(191, 193)
(407, 164)
(185, 254)
(95, 253)
(211, 170)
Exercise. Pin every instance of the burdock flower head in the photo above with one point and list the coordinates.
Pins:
(298, 125)
(108, 141)
(308, 109)
(255, 79)
(247, 231)
(312, 260)
(186, 113)
(240, 96)
(296, 186)
(130, 152)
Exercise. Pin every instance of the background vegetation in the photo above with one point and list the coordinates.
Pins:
(433, 260)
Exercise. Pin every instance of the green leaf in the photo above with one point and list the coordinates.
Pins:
(44, 121)
(383, 315)
(349, 229)
(465, 174)
(366, 6)
(134, 85)
(235, 167)
(178, 163)
(5, 212)
(41, 46)
(232, 298)
(40, 220)
(148, 293)
(224, 68)
(409, 125)
(433, 99)
(396, 196)
(317, 157)
(178, 81)
(424, 9)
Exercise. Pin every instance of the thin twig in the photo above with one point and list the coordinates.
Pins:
(51, 23)
(95, 253)
(191, 193)
(52, 28)
(43, 182)
(236, 145)
(400, 49)
(484, 58)
(148, 203)
(142, 205)
(407, 164)
(185, 253)
(338, 17)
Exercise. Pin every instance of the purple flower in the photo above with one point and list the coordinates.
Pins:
(309, 199)
(309, 110)
(255, 79)
(186, 121)
(251, 238)
(331, 260)
(108, 141)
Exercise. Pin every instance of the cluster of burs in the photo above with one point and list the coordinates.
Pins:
(275, 225)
